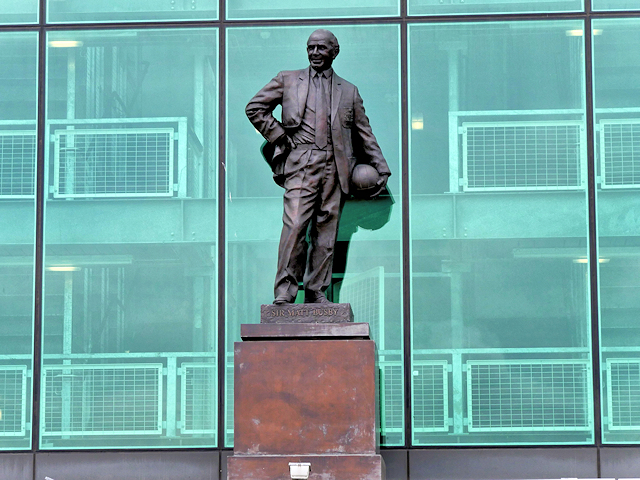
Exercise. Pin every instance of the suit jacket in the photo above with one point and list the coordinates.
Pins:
(352, 138)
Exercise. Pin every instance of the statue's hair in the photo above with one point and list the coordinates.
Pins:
(333, 41)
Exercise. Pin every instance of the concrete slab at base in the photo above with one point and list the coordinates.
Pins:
(323, 467)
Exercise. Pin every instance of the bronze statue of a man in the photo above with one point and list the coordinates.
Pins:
(322, 135)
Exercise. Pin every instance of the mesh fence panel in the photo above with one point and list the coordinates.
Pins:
(623, 392)
(132, 162)
(430, 396)
(512, 156)
(532, 395)
(17, 164)
(102, 399)
(13, 400)
(199, 394)
(620, 153)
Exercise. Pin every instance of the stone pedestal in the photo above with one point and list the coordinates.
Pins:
(306, 393)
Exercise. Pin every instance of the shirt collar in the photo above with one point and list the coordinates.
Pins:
(326, 73)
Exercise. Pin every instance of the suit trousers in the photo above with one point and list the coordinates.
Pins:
(313, 202)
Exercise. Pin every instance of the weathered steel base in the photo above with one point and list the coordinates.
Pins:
(306, 393)
(323, 467)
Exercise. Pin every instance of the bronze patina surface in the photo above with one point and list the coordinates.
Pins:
(313, 149)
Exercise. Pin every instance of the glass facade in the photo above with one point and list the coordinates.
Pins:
(278, 9)
(24, 11)
(499, 274)
(130, 289)
(18, 140)
(616, 120)
(500, 317)
(86, 11)
(461, 7)
(615, 5)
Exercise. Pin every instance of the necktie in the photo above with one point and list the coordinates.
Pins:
(321, 113)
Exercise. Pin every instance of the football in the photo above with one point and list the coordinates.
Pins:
(364, 180)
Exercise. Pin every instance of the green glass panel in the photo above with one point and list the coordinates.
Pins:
(24, 11)
(615, 5)
(129, 355)
(462, 7)
(278, 9)
(368, 253)
(18, 110)
(500, 301)
(617, 133)
(84, 11)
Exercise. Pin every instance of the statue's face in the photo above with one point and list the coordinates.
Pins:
(321, 53)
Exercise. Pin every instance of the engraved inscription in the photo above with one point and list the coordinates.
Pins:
(306, 313)
(314, 312)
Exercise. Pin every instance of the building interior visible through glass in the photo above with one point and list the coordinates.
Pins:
(130, 275)
(500, 311)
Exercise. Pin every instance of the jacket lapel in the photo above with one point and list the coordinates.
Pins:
(336, 91)
(303, 90)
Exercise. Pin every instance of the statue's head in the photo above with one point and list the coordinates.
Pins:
(322, 49)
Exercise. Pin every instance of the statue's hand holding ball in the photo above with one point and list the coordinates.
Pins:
(366, 182)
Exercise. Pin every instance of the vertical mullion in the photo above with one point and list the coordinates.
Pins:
(39, 232)
(222, 353)
(406, 241)
(593, 232)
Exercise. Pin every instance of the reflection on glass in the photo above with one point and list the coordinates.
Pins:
(23, 11)
(18, 110)
(84, 11)
(617, 133)
(615, 5)
(500, 322)
(129, 354)
(460, 7)
(274, 9)
(368, 257)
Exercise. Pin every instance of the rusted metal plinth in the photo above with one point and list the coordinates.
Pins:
(305, 400)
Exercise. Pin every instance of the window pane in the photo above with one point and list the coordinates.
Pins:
(500, 319)
(81, 11)
(18, 87)
(24, 11)
(275, 9)
(617, 135)
(615, 5)
(129, 354)
(458, 7)
(369, 231)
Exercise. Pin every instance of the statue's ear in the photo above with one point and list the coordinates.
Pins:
(336, 51)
